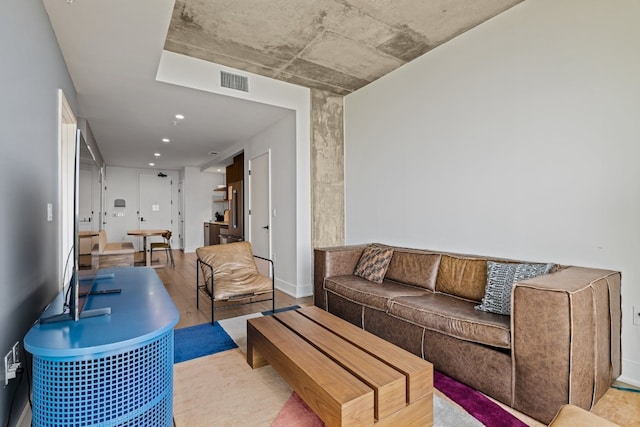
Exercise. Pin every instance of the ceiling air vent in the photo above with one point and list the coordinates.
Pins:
(234, 81)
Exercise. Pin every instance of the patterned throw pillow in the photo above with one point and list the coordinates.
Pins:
(500, 280)
(373, 263)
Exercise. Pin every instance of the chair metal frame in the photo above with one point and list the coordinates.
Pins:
(166, 246)
(250, 295)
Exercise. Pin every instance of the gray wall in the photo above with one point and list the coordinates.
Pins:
(31, 72)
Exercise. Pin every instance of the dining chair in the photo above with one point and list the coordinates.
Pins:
(165, 245)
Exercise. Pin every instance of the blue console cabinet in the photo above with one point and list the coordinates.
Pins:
(111, 370)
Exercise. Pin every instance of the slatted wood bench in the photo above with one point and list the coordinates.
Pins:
(116, 254)
(345, 374)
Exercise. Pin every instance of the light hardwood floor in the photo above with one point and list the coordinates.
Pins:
(621, 407)
(180, 282)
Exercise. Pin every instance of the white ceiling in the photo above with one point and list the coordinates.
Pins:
(112, 49)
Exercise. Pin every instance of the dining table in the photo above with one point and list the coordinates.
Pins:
(145, 234)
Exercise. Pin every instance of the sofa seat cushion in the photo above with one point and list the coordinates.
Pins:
(362, 291)
(454, 317)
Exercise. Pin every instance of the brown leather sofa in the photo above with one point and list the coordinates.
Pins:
(560, 345)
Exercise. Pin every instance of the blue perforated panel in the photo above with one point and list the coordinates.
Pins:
(129, 387)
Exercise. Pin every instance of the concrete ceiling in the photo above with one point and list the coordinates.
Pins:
(112, 50)
(334, 45)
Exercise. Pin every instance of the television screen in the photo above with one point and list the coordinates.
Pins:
(73, 303)
(75, 308)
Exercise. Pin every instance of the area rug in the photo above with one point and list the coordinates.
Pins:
(205, 339)
(200, 340)
(220, 388)
(446, 414)
(475, 403)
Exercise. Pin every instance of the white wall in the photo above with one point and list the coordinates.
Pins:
(519, 138)
(122, 183)
(280, 138)
(198, 196)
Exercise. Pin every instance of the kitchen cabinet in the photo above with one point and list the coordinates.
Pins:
(212, 232)
(235, 171)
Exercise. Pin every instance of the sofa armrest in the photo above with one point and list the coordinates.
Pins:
(566, 345)
(334, 261)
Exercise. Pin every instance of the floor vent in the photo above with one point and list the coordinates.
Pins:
(234, 81)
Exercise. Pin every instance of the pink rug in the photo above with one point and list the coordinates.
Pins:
(296, 413)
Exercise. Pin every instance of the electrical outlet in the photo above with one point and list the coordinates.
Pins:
(16, 352)
(8, 362)
(11, 363)
(636, 315)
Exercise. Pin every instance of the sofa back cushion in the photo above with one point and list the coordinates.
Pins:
(413, 267)
(464, 277)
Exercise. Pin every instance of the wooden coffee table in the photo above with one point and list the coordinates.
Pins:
(345, 374)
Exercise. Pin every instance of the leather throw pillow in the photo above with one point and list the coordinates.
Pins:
(373, 263)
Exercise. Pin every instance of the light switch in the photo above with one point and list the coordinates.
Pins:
(49, 212)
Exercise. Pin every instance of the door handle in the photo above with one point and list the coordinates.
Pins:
(266, 227)
(141, 219)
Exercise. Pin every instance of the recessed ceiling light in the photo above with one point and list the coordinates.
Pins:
(157, 154)
(166, 140)
(219, 170)
(179, 116)
(152, 164)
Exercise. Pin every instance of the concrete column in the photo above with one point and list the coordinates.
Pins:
(327, 169)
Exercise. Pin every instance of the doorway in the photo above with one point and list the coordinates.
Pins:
(67, 125)
(154, 202)
(260, 204)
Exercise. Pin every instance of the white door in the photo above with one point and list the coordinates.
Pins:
(180, 216)
(154, 203)
(260, 201)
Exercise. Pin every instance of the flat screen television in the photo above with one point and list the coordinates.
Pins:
(78, 288)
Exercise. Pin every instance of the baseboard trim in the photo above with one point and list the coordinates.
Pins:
(630, 373)
(293, 290)
(304, 291)
(286, 287)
